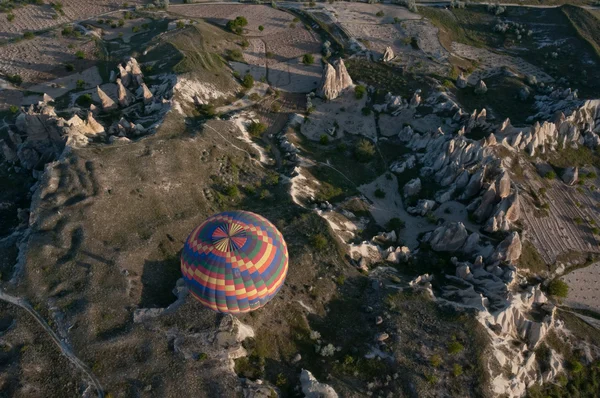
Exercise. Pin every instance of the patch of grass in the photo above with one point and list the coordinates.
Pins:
(531, 259)
(558, 288)
(308, 59)
(256, 129)
(319, 242)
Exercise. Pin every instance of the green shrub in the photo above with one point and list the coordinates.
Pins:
(248, 81)
(10, 17)
(575, 366)
(324, 139)
(455, 347)
(261, 28)
(457, 370)
(436, 361)
(308, 59)
(558, 288)
(28, 35)
(232, 191)
(364, 151)
(395, 224)
(245, 43)
(264, 194)
(256, 129)
(319, 242)
(237, 25)
(360, 91)
(84, 100)
(80, 54)
(366, 111)
(135, 29)
(69, 67)
(80, 84)
(380, 14)
(551, 175)
(13, 109)
(379, 193)
(15, 79)
(235, 55)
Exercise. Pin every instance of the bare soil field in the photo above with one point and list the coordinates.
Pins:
(283, 37)
(33, 18)
(583, 288)
(490, 63)
(44, 57)
(364, 13)
(274, 21)
(568, 225)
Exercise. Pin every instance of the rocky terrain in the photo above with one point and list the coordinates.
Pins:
(437, 190)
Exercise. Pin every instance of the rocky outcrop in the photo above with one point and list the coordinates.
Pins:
(388, 54)
(107, 103)
(123, 95)
(481, 88)
(145, 93)
(570, 175)
(449, 237)
(335, 80)
(311, 388)
(509, 250)
(415, 100)
(461, 81)
(423, 207)
(412, 188)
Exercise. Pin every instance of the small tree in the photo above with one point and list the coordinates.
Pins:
(360, 91)
(558, 288)
(237, 25)
(248, 81)
(551, 175)
(261, 28)
(308, 59)
(256, 129)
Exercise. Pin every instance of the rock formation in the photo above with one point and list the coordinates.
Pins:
(311, 388)
(107, 103)
(335, 80)
(461, 81)
(388, 54)
(448, 237)
(481, 88)
(570, 175)
(412, 188)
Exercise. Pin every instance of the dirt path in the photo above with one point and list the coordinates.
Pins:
(64, 347)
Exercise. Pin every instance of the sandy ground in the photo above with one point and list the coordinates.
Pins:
(346, 111)
(583, 288)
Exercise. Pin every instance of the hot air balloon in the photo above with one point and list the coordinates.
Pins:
(234, 262)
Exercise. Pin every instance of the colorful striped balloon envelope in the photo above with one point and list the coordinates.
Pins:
(234, 262)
